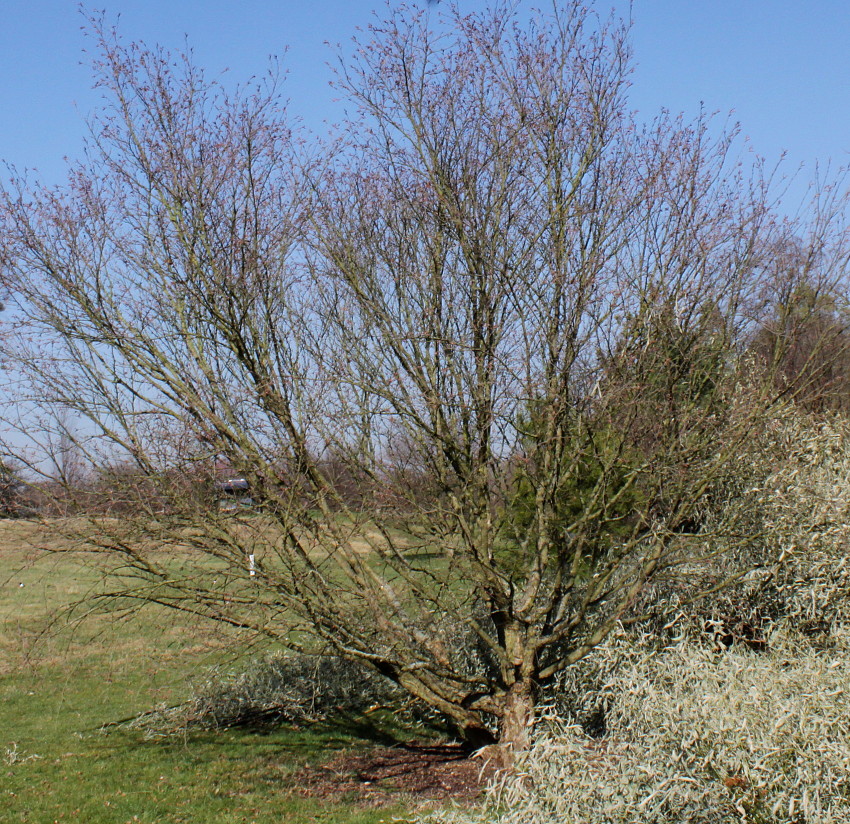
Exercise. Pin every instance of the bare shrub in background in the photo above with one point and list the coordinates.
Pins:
(815, 365)
(12, 489)
(482, 356)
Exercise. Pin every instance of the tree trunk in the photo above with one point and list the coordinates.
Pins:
(518, 718)
(514, 726)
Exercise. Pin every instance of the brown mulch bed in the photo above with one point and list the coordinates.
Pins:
(424, 771)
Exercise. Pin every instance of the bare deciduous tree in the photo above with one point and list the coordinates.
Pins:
(481, 357)
(11, 491)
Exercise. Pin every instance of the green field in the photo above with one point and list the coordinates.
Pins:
(61, 680)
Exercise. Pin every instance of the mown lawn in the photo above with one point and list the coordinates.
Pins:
(61, 681)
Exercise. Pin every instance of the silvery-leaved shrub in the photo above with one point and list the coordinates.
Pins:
(693, 736)
(779, 528)
(804, 506)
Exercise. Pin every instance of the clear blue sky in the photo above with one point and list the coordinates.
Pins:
(782, 66)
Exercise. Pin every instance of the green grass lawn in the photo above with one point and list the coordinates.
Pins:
(61, 681)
